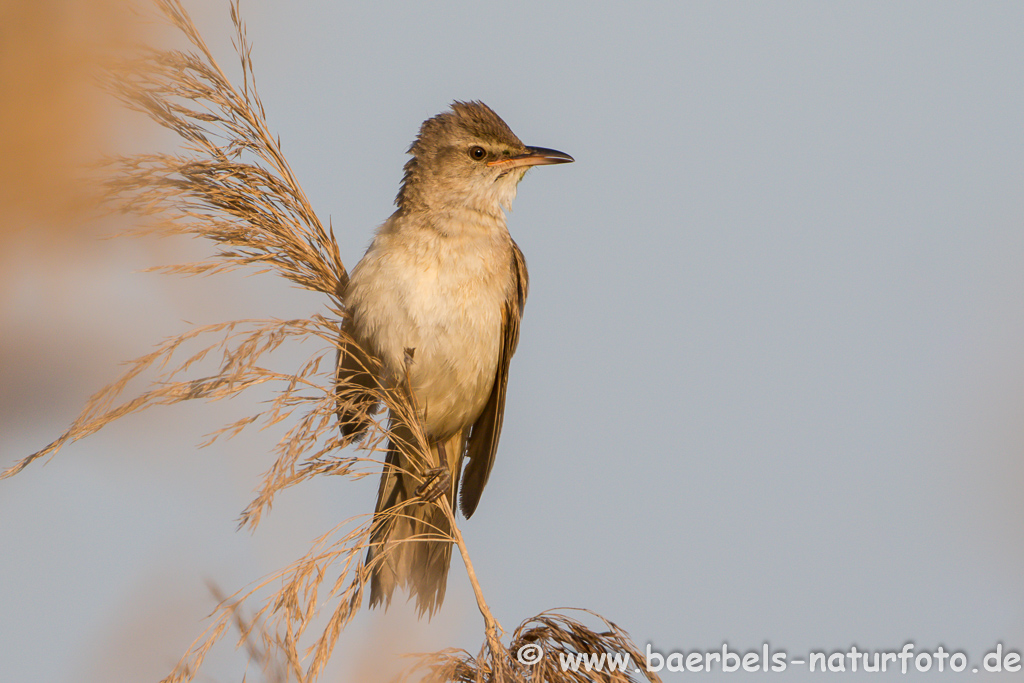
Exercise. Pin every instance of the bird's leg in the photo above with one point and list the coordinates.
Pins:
(438, 480)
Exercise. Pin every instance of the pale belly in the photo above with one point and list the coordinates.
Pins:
(447, 305)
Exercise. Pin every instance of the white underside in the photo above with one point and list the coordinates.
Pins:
(444, 296)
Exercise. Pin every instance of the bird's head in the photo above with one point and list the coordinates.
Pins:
(468, 157)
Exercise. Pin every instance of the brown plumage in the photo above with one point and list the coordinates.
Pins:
(438, 298)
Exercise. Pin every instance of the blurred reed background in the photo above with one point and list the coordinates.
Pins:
(801, 223)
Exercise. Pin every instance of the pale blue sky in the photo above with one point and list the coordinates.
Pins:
(769, 385)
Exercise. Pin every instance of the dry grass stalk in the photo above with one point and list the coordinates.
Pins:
(231, 184)
(261, 650)
(557, 635)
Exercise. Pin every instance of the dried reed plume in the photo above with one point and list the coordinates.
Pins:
(231, 184)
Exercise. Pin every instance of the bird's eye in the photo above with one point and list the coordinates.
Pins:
(477, 152)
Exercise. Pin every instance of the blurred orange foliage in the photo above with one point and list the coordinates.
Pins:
(56, 121)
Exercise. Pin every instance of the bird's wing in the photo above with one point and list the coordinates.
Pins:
(483, 438)
(354, 388)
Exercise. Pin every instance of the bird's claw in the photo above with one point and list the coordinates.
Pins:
(438, 480)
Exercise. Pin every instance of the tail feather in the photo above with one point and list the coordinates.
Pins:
(411, 536)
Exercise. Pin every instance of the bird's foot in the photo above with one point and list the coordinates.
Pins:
(437, 482)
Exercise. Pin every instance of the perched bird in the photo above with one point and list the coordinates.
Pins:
(437, 298)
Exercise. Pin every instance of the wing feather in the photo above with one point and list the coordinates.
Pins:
(482, 444)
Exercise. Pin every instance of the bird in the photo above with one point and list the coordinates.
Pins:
(437, 299)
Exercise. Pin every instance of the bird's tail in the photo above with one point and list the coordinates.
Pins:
(411, 538)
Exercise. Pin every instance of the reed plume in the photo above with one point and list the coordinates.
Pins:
(230, 183)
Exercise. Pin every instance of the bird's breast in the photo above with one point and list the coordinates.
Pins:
(443, 296)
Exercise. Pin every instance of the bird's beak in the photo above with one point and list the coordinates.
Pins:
(534, 156)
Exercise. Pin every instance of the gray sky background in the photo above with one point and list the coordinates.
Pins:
(770, 384)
